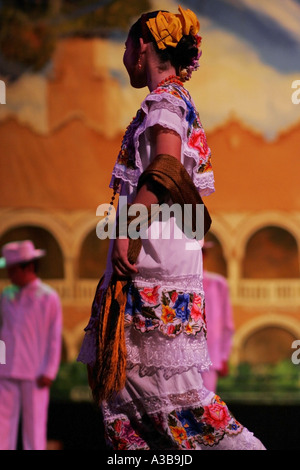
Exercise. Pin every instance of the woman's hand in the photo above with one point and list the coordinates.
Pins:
(122, 267)
(163, 141)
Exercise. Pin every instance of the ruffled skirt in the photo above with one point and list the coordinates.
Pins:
(177, 413)
(164, 404)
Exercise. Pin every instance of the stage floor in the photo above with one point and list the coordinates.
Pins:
(78, 426)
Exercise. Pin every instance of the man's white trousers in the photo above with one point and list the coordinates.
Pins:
(23, 398)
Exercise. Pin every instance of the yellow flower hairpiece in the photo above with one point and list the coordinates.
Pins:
(167, 28)
(190, 23)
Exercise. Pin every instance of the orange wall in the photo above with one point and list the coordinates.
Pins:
(252, 174)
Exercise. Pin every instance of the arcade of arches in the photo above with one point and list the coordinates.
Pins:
(259, 256)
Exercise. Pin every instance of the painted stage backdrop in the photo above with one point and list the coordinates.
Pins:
(250, 62)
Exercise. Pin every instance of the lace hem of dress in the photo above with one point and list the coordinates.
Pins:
(185, 283)
(195, 346)
(154, 404)
(154, 351)
(194, 420)
(168, 372)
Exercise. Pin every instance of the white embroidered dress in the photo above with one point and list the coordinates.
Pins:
(164, 317)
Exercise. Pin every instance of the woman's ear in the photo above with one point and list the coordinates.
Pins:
(143, 46)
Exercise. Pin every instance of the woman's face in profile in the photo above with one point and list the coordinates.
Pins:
(131, 61)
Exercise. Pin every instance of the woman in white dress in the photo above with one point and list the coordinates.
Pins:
(159, 337)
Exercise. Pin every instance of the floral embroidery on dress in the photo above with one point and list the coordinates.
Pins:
(171, 312)
(184, 429)
(196, 135)
(150, 294)
(121, 436)
(205, 425)
(197, 140)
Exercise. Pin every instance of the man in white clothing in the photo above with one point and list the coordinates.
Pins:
(220, 326)
(30, 328)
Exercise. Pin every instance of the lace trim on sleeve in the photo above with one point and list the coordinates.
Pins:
(169, 106)
(205, 183)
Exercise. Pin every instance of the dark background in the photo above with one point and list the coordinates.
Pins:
(78, 426)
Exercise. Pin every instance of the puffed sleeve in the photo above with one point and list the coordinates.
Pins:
(180, 116)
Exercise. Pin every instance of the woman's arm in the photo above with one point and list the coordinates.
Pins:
(164, 141)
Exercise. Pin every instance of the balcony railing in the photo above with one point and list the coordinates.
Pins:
(250, 292)
(275, 292)
(81, 291)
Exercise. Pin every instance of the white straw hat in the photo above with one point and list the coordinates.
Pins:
(19, 252)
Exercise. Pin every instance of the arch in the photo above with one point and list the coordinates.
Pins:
(213, 255)
(253, 222)
(269, 320)
(86, 226)
(13, 218)
(92, 256)
(275, 250)
(222, 232)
